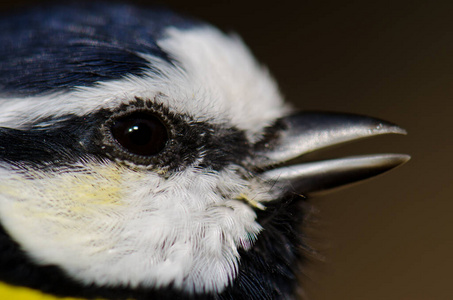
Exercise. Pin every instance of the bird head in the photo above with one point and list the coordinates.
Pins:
(142, 150)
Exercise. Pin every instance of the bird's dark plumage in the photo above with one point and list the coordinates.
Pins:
(87, 42)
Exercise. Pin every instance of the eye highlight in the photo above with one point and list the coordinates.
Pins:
(140, 133)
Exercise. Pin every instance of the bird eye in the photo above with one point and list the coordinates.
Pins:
(140, 133)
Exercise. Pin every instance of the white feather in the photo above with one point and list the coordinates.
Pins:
(217, 81)
(110, 224)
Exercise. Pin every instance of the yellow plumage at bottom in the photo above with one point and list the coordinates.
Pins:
(11, 292)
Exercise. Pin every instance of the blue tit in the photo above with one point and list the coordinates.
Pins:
(147, 155)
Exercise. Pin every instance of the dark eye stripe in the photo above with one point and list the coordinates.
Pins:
(138, 135)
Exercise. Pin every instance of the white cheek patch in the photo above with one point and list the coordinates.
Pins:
(110, 225)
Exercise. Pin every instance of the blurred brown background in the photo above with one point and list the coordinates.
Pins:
(391, 237)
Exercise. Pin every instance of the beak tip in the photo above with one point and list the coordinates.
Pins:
(402, 159)
(399, 130)
(382, 162)
(384, 127)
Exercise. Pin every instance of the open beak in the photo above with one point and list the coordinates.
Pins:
(295, 135)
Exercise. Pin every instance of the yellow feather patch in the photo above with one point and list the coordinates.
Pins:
(67, 200)
(11, 292)
(77, 212)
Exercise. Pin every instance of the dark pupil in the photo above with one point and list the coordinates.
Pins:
(140, 133)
